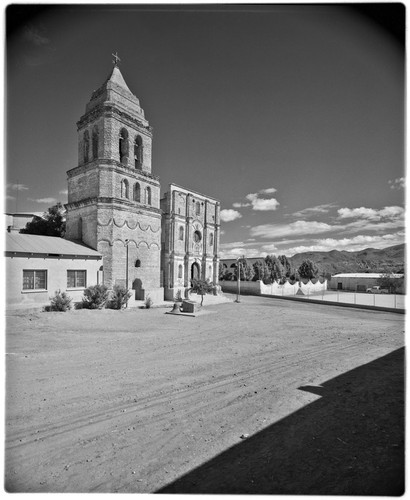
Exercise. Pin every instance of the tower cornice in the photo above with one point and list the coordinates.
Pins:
(118, 203)
(108, 110)
(113, 165)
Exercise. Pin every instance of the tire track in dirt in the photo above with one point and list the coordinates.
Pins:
(152, 401)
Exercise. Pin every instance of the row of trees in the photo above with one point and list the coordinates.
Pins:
(269, 269)
(279, 269)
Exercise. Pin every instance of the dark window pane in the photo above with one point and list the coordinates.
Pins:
(70, 279)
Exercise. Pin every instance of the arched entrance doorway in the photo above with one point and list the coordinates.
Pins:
(195, 271)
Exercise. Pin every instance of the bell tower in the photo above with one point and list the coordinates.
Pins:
(113, 197)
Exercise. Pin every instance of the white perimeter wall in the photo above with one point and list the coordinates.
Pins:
(258, 288)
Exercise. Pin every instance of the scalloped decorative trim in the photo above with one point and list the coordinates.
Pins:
(129, 225)
(137, 245)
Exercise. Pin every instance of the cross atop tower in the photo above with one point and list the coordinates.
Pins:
(116, 59)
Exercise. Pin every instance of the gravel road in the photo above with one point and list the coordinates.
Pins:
(265, 396)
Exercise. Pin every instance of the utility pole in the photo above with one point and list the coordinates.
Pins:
(126, 270)
(238, 269)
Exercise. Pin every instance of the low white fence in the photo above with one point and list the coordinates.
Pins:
(288, 289)
(275, 288)
(391, 301)
(315, 291)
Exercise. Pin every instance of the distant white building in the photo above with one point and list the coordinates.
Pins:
(357, 282)
(18, 220)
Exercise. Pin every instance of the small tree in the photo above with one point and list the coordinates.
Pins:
(224, 273)
(95, 297)
(246, 270)
(286, 266)
(60, 302)
(52, 223)
(148, 302)
(261, 271)
(119, 297)
(201, 287)
(276, 270)
(308, 270)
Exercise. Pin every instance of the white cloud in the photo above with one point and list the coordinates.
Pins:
(392, 212)
(228, 215)
(231, 244)
(257, 203)
(235, 249)
(44, 200)
(362, 213)
(368, 225)
(239, 251)
(271, 248)
(251, 196)
(267, 191)
(264, 205)
(319, 209)
(64, 192)
(240, 205)
(296, 228)
(17, 187)
(8, 197)
(398, 183)
(371, 214)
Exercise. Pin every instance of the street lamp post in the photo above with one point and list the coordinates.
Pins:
(126, 271)
(238, 279)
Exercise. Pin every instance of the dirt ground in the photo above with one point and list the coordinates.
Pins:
(265, 396)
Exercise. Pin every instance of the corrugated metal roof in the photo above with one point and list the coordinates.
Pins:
(364, 275)
(33, 243)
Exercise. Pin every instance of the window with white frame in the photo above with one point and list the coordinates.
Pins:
(34, 279)
(76, 279)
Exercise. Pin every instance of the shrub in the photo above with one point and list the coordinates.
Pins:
(119, 297)
(148, 302)
(95, 297)
(60, 302)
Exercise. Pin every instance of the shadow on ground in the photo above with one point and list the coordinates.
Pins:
(348, 442)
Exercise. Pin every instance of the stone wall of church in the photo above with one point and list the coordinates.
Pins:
(143, 232)
(110, 179)
(190, 239)
(82, 184)
(81, 224)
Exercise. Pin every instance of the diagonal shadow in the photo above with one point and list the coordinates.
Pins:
(348, 442)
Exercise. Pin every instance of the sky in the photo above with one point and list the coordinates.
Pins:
(292, 116)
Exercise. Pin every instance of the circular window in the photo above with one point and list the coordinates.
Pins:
(197, 237)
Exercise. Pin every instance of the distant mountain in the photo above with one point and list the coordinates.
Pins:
(368, 260)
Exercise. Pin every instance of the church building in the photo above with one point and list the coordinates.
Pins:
(190, 239)
(151, 246)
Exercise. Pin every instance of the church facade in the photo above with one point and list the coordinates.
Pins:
(114, 203)
(190, 239)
